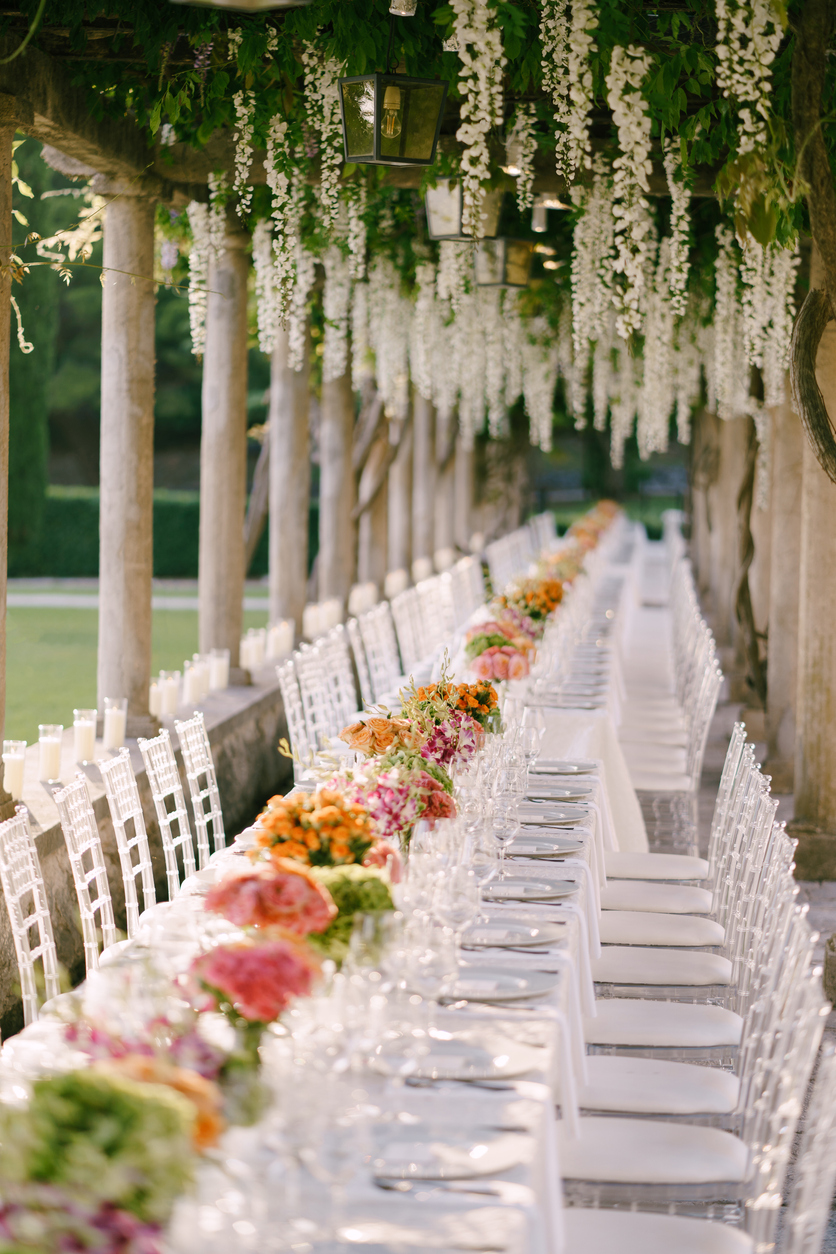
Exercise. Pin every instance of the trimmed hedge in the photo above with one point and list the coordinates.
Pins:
(69, 547)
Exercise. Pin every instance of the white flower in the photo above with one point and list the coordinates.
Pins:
(540, 357)
(336, 302)
(390, 315)
(656, 395)
(522, 142)
(748, 38)
(208, 225)
(592, 261)
(730, 378)
(297, 339)
(566, 36)
(480, 86)
(265, 286)
(680, 220)
(362, 364)
(323, 108)
(244, 102)
(455, 268)
(356, 195)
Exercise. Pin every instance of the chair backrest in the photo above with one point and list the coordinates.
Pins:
(360, 661)
(814, 1178)
(406, 611)
(202, 781)
(335, 653)
(131, 836)
(25, 893)
(377, 628)
(468, 588)
(322, 714)
(84, 847)
(170, 807)
(294, 716)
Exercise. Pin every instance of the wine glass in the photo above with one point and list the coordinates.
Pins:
(458, 901)
(534, 717)
(506, 826)
(431, 964)
(528, 740)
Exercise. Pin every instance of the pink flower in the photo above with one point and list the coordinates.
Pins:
(382, 854)
(438, 804)
(482, 666)
(284, 894)
(260, 979)
(500, 664)
(517, 666)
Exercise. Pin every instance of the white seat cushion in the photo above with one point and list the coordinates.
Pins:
(651, 756)
(630, 964)
(664, 898)
(654, 1086)
(631, 1232)
(636, 1022)
(654, 866)
(644, 927)
(654, 732)
(642, 1151)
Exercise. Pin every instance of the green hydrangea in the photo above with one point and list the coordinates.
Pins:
(102, 1137)
(355, 890)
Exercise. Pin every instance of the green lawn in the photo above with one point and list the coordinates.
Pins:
(51, 661)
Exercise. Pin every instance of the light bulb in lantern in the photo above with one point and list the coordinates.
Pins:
(539, 219)
(392, 119)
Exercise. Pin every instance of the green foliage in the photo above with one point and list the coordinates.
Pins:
(102, 1138)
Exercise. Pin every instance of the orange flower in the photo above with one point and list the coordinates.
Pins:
(204, 1096)
(358, 736)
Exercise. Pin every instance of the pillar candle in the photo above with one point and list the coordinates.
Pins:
(84, 735)
(219, 669)
(49, 751)
(115, 722)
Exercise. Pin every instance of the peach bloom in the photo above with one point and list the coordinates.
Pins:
(517, 666)
(500, 664)
(358, 736)
(203, 1094)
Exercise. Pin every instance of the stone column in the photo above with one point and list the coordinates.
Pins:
(372, 526)
(399, 491)
(782, 656)
(760, 523)
(463, 501)
(722, 500)
(815, 756)
(126, 492)
(223, 452)
(423, 477)
(704, 467)
(290, 485)
(7, 134)
(337, 538)
(444, 537)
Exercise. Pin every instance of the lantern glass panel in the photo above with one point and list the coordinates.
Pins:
(490, 262)
(518, 255)
(409, 119)
(358, 113)
(444, 211)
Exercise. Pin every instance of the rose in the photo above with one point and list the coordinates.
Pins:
(358, 736)
(383, 733)
(384, 855)
(259, 979)
(283, 894)
(482, 666)
(500, 664)
(517, 666)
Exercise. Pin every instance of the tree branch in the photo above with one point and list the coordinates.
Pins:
(807, 399)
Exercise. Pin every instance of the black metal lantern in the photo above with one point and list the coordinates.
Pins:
(391, 119)
(503, 262)
(444, 205)
(245, 6)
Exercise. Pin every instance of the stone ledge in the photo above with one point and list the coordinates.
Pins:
(244, 725)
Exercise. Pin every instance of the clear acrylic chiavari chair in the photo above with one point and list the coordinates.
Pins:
(171, 811)
(131, 837)
(294, 713)
(84, 847)
(25, 894)
(202, 781)
(386, 670)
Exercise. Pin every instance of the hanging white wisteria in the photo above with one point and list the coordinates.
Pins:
(634, 226)
(749, 34)
(362, 363)
(566, 34)
(297, 323)
(783, 264)
(592, 248)
(455, 268)
(286, 208)
(730, 375)
(208, 224)
(336, 307)
(623, 402)
(656, 394)
(513, 333)
(522, 142)
(687, 376)
(356, 198)
(267, 309)
(680, 229)
(444, 360)
(753, 302)
(554, 67)
(540, 370)
(470, 350)
(422, 329)
(480, 88)
(490, 301)
(602, 375)
(242, 137)
(322, 102)
(389, 319)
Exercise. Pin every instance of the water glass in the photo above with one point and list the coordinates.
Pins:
(14, 759)
(506, 827)
(528, 740)
(49, 751)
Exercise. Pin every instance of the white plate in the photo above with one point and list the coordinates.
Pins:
(499, 984)
(528, 890)
(499, 933)
(535, 816)
(556, 766)
(531, 847)
(545, 792)
(493, 1056)
(450, 1155)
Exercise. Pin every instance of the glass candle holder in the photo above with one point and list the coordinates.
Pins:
(169, 693)
(49, 751)
(115, 722)
(219, 669)
(84, 734)
(14, 758)
(191, 683)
